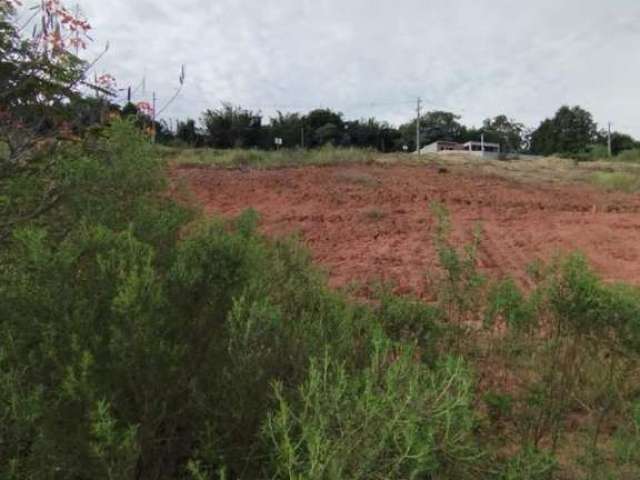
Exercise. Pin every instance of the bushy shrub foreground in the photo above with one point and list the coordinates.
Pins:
(140, 341)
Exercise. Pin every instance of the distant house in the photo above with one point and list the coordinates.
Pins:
(482, 147)
(441, 145)
(473, 147)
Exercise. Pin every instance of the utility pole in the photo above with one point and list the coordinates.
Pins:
(418, 127)
(609, 139)
(482, 142)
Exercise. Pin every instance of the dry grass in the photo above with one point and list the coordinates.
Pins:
(611, 175)
(374, 214)
(242, 158)
(623, 176)
(617, 181)
(357, 178)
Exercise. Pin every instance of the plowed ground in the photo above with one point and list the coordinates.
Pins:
(366, 223)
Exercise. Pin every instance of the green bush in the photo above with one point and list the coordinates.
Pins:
(394, 419)
(412, 322)
(505, 300)
(530, 464)
(627, 439)
(135, 342)
(632, 156)
(498, 405)
(583, 304)
(623, 181)
(460, 287)
(138, 340)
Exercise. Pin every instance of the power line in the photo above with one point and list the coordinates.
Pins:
(172, 99)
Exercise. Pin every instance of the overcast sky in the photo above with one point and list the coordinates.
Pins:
(364, 58)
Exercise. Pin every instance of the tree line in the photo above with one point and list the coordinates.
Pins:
(571, 131)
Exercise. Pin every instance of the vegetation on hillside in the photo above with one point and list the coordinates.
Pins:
(142, 341)
(242, 158)
(139, 339)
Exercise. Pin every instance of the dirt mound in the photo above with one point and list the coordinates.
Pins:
(368, 223)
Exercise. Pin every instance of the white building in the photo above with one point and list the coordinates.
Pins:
(482, 147)
(441, 145)
(472, 147)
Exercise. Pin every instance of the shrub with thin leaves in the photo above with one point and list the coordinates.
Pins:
(396, 418)
(530, 464)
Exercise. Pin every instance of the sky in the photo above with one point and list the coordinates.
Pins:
(477, 58)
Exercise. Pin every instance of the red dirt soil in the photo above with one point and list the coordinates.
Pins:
(367, 223)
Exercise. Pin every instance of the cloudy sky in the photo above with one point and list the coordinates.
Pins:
(477, 58)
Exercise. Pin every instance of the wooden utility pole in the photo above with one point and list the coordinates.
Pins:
(418, 126)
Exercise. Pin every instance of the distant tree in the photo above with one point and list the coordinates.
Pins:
(230, 127)
(164, 135)
(323, 126)
(322, 116)
(371, 133)
(436, 125)
(289, 127)
(505, 131)
(571, 130)
(390, 139)
(187, 132)
(327, 134)
(527, 134)
(621, 142)
(362, 133)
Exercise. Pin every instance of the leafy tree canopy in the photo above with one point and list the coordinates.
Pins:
(571, 130)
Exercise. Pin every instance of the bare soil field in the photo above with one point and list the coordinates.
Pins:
(370, 223)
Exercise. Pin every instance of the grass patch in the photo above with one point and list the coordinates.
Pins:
(617, 181)
(632, 156)
(375, 214)
(357, 178)
(238, 158)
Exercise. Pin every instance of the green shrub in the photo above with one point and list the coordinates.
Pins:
(584, 305)
(530, 464)
(140, 341)
(133, 341)
(632, 156)
(394, 419)
(623, 181)
(498, 405)
(412, 322)
(627, 439)
(460, 289)
(505, 300)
